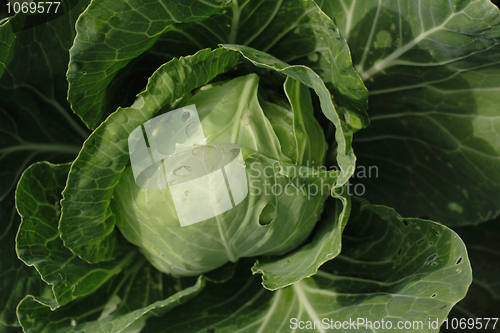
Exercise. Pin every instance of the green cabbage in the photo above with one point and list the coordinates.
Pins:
(279, 211)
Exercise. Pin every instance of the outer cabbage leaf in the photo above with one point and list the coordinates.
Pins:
(102, 297)
(35, 124)
(391, 268)
(277, 27)
(124, 303)
(305, 261)
(34, 120)
(7, 38)
(433, 74)
(38, 244)
(16, 279)
(110, 34)
(271, 26)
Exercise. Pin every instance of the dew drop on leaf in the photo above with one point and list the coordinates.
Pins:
(192, 129)
(185, 116)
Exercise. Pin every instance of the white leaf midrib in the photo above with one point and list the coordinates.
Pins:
(304, 302)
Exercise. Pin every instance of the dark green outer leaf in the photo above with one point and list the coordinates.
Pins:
(482, 245)
(95, 314)
(272, 26)
(7, 38)
(38, 244)
(87, 223)
(34, 125)
(27, 136)
(277, 27)
(432, 70)
(483, 298)
(34, 120)
(16, 279)
(392, 269)
(335, 66)
(110, 34)
(104, 297)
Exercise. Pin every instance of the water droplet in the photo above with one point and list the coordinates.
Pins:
(73, 287)
(76, 66)
(174, 182)
(183, 171)
(60, 276)
(73, 322)
(244, 121)
(187, 193)
(197, 151)
(455, 207)
(192, 129)
(185, 116)
(313, 57)
(328, 255)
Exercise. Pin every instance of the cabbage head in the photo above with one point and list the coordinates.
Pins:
(272, 133)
